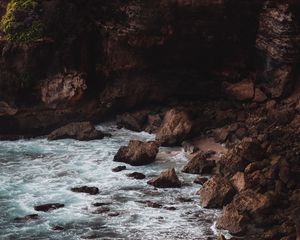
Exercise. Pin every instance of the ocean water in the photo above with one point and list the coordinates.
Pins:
(38, 171)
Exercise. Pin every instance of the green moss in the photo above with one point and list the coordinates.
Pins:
(21, 22)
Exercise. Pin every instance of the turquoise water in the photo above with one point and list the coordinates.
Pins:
(37, 171)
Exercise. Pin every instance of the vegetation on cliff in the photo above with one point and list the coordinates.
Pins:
(21, 22)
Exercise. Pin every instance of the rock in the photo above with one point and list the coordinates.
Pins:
(48, 207)
(101, 210)
(119, 169)
(133, 121)
(170, 208)
(221, 237)
(113, 214)
(153, 123)
(167, 179)
(57, 228)
(189, 147)
(175, 128)
(100, 204)
(153, 204)
(6, 110)
(67, 88)
(235, 215)
(86, 189)
(28, 218)
(240, 91)
(183, 200)
(136, 175)
(238, 181)
(240, 156)
(200, 180)
(82, 131)
(199, 164)
(137, 153)
(259, 96)
(216, 192)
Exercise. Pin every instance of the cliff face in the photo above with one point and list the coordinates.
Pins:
(137, 52)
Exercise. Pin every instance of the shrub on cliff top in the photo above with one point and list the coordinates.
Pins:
(21, 22)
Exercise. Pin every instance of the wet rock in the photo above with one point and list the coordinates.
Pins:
(167, 179)
(119, 168)
(82, 131)
(137, 153)
(100, 204)
(175, 128)
(200, 180)
(199, 164)
(170, 208)
(7, 110)
(189, 147)
(241, 91)
(216, 192)
(86, 189)
(184, 200)
(57, 228)
(48, 207)
(153, 123)
(101, 210)
(137, 175)
(28, 218)
(133, 121)
(113, 214)
(235, 215)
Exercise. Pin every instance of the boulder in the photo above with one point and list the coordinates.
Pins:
(133, 121)
(240, 156)
(119, 168)
(259, 96)
(137, 175)
(137, 153)
(153, 123)
(216, 192)
(200, 180)
(240, 91)
(6, 110)
(28, 218)
(86, 189)
(245, 206)
(82, 131)
(175, 128)
(199, 164)
(48, 207)
(167, 179)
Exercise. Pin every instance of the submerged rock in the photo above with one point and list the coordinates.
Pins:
(137, 175)
(86, 189)
(167, 179)
(27, 218)
(175, 127)
(137, 153)
(101, 210)
(82, 131)
(119, 168)
(57, 228)
(48, 207)
(216, 192)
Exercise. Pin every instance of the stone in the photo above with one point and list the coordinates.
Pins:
(137, 175)
(57, 228)
(200, 180)
(63, 89)
(175, 128)
(199, 164)
(82, 131)
(7, 110)
(119, 168)
(216, 192)
(101, 210)
(259, 96)
(246, 204)
(240, 91)
(133, 121)
(27, 218)
(86, 189)
(137, 153)
(167, 179)
(48, 207)
(238, 181)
